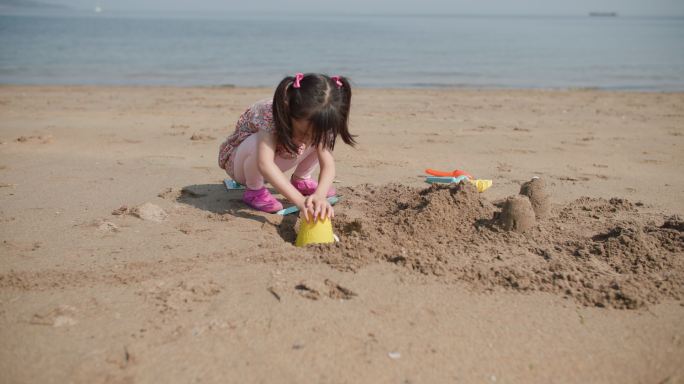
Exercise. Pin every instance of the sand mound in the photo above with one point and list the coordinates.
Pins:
(535, 190)
(149, 212)
(517, 214)
(599, 252)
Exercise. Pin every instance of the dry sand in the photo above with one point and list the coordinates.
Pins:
(125, 260)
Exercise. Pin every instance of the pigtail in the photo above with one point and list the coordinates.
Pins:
(282, 117)
(346, 91)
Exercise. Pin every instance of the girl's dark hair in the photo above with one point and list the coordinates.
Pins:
(318, 99)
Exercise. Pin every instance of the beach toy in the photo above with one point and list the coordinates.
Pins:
(286, 211)
(445, 180)
(319, 232)
(232, 184)
(481, 184)
(454, 173)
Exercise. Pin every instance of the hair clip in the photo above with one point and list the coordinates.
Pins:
(337, 81)
(298, 78)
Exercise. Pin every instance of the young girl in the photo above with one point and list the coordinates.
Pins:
(297, 129)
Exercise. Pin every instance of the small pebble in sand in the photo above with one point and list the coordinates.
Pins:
(535, 190)
(150, 212)
(517, 214)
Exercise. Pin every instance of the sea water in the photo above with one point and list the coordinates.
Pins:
(412, 51)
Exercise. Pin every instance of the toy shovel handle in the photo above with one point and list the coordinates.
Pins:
(454, 173)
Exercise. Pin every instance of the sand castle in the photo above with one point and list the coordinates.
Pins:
(535, 190)
(517, 214)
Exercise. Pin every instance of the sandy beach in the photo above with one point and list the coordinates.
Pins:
(93, 291)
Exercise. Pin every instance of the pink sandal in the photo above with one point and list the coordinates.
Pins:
(308, 187)
(262, 200)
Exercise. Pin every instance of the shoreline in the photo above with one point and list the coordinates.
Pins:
(447, 88)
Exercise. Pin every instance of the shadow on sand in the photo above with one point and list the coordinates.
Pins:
(216, 199)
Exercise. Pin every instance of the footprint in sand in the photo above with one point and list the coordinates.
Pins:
(23, 246)
(190, 229)
(652, 161)
(573, 179)
(170, 299)
(201, 137)
(42, 139)
(111, 364)
(482, 128)
(60, 316)
(336, 291)
(178, 130)
(105, 226)
(312, 290)
(503, 167)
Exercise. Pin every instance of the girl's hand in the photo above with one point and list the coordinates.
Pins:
(319, 207)
(306, 209)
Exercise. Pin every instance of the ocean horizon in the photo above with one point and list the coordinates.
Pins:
(643, 53)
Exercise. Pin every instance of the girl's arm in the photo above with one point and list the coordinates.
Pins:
(266, 146)
(326, 162)
(318, 202)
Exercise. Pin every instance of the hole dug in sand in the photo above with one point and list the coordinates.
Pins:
(598, 252)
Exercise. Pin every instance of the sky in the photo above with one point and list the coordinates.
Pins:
(534, 7)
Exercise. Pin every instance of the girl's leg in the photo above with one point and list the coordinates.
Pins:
(245, 166)
(306, 166)
(301, 177)
(247, 172)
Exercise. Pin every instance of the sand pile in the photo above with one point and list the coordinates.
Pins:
(599, 252)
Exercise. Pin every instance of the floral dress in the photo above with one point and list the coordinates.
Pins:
(258, 116)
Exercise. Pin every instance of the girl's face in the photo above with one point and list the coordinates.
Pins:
(302, 129)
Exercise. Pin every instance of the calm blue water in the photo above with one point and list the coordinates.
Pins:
(375, 51)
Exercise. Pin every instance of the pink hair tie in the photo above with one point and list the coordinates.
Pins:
(337, 81)
(298, 78)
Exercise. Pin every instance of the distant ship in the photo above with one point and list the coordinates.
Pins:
(603, 14)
